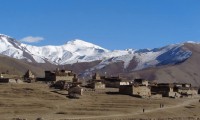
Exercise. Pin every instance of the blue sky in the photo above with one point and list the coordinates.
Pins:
(112, 24)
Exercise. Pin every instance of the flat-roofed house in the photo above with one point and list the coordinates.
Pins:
(64, 75)
(135, 90)
(166, 89)
(75, 91)
(174, 89)
(187, 91)
(96, 82)
(29, 76)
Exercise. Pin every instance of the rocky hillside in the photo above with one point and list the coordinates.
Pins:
(187, 71)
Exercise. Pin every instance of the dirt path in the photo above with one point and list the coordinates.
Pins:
(185, 103)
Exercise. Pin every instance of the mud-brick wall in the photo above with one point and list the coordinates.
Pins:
(66, 78)
(141, 91)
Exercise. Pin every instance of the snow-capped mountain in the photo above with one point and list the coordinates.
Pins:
(168, 55)
(81, 51)
(71, 52)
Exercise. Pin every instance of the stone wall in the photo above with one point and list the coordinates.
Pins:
(141, 91)
(98, 85)
(65, 78)
(164, 90)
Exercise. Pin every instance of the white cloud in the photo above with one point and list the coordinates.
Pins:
(31, 39)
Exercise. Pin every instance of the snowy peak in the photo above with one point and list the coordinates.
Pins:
(80, 44)
(72, 52)
(8, 40)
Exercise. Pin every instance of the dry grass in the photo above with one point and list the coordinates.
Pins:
(32, 101)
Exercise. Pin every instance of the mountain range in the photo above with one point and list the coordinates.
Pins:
(87, 58)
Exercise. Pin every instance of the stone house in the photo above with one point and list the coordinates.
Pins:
(174, 90)
(112, 82)
(187, 91)
(143, 88)
(135, 90)
(138, 88)
(166, 89)
(57, 75)
(10, 80)
(75, 92)
(96, 82)
(61, 79)
(29, 76)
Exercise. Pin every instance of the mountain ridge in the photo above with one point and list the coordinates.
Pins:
(80, 51)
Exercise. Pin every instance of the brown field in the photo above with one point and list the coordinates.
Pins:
(32, 101)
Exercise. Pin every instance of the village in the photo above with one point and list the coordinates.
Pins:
(60, 95)
(66, 80)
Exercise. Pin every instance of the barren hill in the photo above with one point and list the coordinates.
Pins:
(19, 67)
(186, 71)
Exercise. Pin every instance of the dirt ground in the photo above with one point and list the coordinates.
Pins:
(32, 101)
